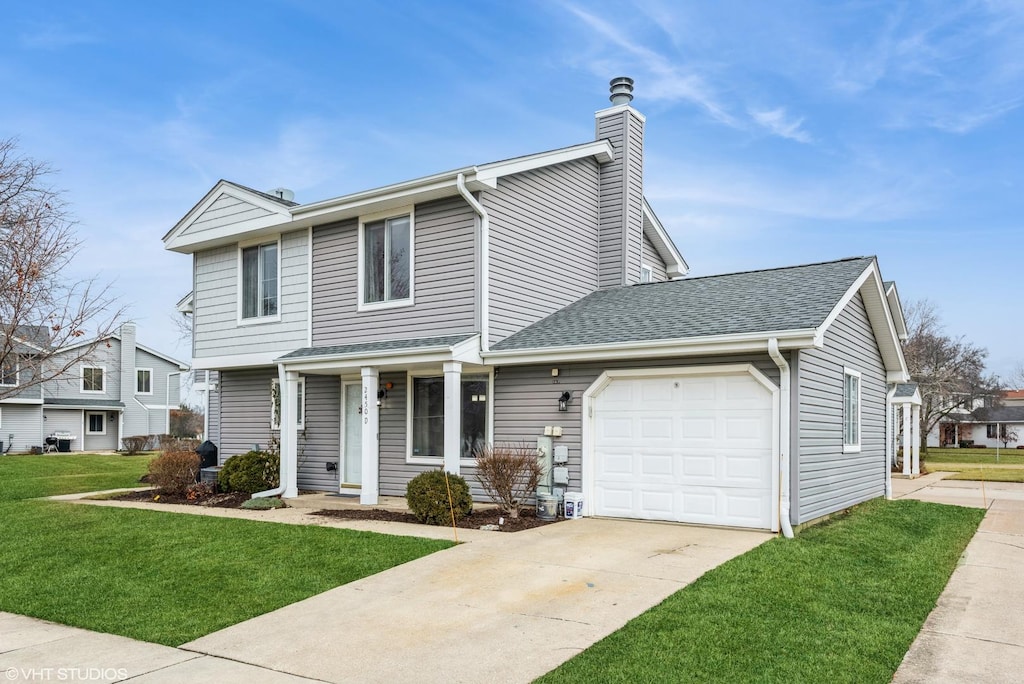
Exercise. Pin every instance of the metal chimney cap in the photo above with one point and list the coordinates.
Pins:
(622, 90)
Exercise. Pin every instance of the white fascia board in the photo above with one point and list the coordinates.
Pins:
(601, 150)
(257, 360)
(149, 350)
(675, 264)
(273, 224)
(19, 340)
(723, 344)
(222, 187)
(76, 345)
(186, 303)
(896, 307)
(4, 402)
(897, 376)
(869, 284)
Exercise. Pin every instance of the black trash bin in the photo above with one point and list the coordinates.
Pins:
(207, 454)
(63, 445)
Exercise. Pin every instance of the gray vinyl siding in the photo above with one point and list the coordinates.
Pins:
(216, 328)
(830, 480)
(104, 442)
(65, 420)
(526, 399)
(445, 256)
(543, 244)
(245, 411)
(141, 414)
(650, 257)
(224, 212)
(70, 385)
(621, 199)
(319, 444)
(25, 422)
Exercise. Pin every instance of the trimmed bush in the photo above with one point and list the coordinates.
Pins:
(253, 471)
(427, 496)
(173, 472)
(135, 444)
(509, 473)
(263, 504)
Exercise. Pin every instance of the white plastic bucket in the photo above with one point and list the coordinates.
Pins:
(573, 505)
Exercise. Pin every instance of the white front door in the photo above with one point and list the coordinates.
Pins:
(685, 448)
(350, 470)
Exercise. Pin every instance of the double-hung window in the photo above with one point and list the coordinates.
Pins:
(144, 381)
(9, 372)
(427, 416)
(387, 260)
(851, 410)
(92, 379)
(259, 281)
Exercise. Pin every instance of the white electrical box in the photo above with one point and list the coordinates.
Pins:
(547, 431)
(561, 454)
(561, 475)
(556, 430)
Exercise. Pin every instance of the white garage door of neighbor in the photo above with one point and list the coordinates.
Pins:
(685, 448)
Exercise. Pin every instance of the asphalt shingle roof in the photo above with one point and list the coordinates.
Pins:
(905, 389)
(105, 403)
(379, 346)
(793, 298)
(999, 414)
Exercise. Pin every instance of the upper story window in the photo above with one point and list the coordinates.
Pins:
(144, 381)
(646, 274)
(851, 410)
(260, 280)
(9, 373)
(386, 261)
(92, 379)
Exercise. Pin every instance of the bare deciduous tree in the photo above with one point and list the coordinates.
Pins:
(950, 372)
(42, 309)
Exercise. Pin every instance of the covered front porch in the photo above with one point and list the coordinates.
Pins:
(395, 408)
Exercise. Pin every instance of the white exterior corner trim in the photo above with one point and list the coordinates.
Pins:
(591, 393)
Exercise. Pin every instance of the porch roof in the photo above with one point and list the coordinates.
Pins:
(464, 347)
(102, 404)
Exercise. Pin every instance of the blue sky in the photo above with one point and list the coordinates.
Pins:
(777, 133)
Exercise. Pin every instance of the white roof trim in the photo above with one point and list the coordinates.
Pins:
(714, 344)
(186, 303)
(675, 265)
(896, 306)
(869, 284)
(223, 187)
(488, 174)
(154, 352)
(467, 351)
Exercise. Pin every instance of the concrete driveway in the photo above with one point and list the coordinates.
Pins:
(505, 609)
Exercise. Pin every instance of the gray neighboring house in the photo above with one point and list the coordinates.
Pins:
(123, 389)
(391, 331)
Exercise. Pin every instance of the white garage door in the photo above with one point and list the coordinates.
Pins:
(685, 448)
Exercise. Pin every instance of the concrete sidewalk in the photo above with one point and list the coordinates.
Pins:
(501, 608)
(976, 632)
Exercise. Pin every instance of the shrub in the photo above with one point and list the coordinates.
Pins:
(509, 474)
(172, 472)
(427, 496)
(135, 444)
(253, 471)
(264, 503)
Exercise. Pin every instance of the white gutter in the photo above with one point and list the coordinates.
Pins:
(784, 436)
(485, 261)
(890, 443)
(283, 462)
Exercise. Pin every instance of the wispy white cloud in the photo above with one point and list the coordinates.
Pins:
(777, 122)
(55, 37)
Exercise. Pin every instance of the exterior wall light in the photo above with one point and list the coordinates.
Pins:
(563, 401)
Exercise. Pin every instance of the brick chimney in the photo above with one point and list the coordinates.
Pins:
(621, 189)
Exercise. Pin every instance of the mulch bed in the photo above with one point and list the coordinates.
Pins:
(488, 516)
(229, 500)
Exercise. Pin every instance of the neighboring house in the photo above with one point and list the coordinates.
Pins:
(981, 427)
(123, 389)
(1013, 397)
(392, 331)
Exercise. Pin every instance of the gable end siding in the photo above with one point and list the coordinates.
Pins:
(445, 256)
(543, 247)
(225, 211)
(650, 257)
(830, 480)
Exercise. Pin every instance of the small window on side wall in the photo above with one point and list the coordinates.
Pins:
(851, 411)
(144, 381)
(259, 281)
(646, 274)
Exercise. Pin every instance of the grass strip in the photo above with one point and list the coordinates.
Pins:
(841, 602)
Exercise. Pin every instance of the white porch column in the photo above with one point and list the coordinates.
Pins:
(915, 447)
(290, 434)
(889, 445)
(370, 486)
(452, 416)
(908, 439)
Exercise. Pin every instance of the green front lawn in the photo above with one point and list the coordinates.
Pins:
(988, 473)
(841, 602)
(935, 455)
(162, 577)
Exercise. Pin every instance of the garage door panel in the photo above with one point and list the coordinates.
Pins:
(685, 448)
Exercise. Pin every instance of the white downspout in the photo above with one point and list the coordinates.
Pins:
(890, 441)
(283, 467)
(784, 435)
(485, 261)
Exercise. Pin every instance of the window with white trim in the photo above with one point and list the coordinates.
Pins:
(9, 372)
(259, 280)
(646, 274)
(275, 404)
(851, 410)
(387, 260)
(92, 379)
(427, 415)
(143, 380)
(95, 423)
